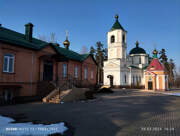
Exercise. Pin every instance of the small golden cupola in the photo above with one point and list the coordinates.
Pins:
(66, 42)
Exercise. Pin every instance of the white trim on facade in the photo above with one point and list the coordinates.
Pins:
(163, 80)
(157, 81)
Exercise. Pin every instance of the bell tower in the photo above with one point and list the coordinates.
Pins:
(116, 41)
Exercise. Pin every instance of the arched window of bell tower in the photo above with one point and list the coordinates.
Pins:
(112, 39)
(123, 38)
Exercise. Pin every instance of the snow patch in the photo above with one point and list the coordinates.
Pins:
(175, 94)
(26, 129)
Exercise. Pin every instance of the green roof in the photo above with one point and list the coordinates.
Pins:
(117, 25)
(138, 67)
(84, 56)
(145, 67)
(18, 39)
(70, 54)
(134, 67)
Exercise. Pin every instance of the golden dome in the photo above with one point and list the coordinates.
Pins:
(137, 43)
(155, 51)
(66, 42)
(116, 16)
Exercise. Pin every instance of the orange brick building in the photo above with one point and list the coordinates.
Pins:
(156, 77)
(28, 65)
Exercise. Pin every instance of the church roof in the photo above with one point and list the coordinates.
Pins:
(137, 50)
(155, 65)
(117, 25)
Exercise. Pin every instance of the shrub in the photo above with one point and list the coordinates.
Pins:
(105, 90)
(89, 94)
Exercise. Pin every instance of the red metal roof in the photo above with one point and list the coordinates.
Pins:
(155, 65)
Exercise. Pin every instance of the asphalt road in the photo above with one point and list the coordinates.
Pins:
(119, 114)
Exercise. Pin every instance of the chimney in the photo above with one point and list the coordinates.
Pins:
(28, 31)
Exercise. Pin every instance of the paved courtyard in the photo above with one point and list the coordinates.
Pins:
(118, 114)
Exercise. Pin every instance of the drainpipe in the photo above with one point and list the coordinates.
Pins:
(81, 74)
(32, 71)
(39, 78)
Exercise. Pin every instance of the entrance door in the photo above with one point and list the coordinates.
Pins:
(150, 85)
(110, 80)
(48, 71)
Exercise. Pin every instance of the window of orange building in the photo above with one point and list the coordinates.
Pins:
(76, 72)
(64, 70)
(8, 63)
(85, 73)
(92, 74)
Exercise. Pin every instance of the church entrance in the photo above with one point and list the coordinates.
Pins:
(110, 80)
(150, 85)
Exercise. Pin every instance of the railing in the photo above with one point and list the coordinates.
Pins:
(65, 83)
(73, 81)
(52, 94)
(2, 102)
(45, 87)
(69, 80)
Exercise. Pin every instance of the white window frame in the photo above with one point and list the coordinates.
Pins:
(8, 57)
(76, 71)
(85, 73)
(92, 74)
(64, 70)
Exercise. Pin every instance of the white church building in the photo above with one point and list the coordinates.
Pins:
(122, 69)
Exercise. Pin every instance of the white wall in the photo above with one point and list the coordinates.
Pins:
(134, 59)
(118, 48)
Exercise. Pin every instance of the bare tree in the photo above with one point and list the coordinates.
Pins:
(84, 49)
(177, 78)
(100, 54)
(42, 37)
(52, 38)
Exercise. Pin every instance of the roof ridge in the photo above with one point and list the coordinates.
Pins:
(69, 50)
(11, 30)
(85, 54)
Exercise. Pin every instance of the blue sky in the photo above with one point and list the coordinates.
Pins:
(88, 21)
